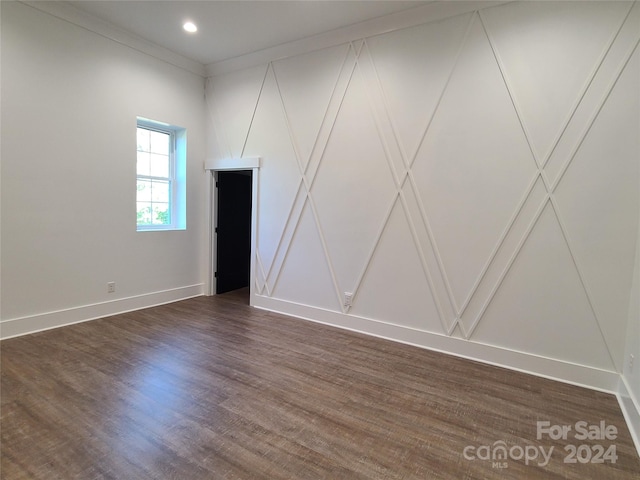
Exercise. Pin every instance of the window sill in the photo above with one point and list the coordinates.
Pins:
(161, 228)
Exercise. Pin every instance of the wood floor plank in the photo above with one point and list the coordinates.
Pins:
(210, 388)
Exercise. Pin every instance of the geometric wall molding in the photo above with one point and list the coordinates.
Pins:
(604, 259)
(526, 325)
(473, 177)
(231, 102)
(550, 62)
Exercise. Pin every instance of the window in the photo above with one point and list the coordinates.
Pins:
(155, 168)
(160, 166)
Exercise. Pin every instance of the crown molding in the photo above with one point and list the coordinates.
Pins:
(434, 11)
(67, 12)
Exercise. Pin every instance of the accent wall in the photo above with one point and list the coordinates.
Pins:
(470, 183)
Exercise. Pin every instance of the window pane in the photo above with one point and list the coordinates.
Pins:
(143, 166)
(155, 182)
(161, 214)
(159, 143)
(160, 191)
(144, 191)
(143, 139)
(144, 213)
(159, 165)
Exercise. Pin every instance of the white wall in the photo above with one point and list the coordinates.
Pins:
(472, 181)
(629, 390)
(70, 99)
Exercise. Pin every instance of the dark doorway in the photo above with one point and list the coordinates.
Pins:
(233, 230)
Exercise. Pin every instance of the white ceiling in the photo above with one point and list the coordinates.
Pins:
(232, 28)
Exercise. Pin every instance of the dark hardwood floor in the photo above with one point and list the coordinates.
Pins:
(210, 388)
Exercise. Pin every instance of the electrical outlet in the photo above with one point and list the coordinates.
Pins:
(631, 358)
(348, 299)
(111, 287)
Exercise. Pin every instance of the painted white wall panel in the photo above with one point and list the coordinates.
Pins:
(353, 189)
(231, 100)
(521, 226)
(473, 166)
(472, 233)
(629, 388)
(430, 259)
(541, 305)
(306, 85)
(413, 66)
(549, 58)
(597, 198)
(396, 269)
(586, 111)
(305, 277)
(269, 139)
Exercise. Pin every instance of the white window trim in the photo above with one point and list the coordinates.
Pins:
(177, 175)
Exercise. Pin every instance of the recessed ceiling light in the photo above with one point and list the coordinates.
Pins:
(190, 27)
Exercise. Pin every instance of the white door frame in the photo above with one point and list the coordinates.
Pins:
(232, 164)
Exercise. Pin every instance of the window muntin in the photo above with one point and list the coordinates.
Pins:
(161, 173)
(155, 177)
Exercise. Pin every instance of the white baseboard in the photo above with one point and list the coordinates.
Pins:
(35, 323)
(580, 375)
(630, 409)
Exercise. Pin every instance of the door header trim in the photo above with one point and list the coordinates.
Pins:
(232, 163)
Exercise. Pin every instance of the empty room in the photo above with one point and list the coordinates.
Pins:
(320, 240)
